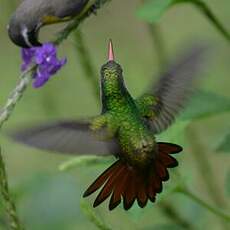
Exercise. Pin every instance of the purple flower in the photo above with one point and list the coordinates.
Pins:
(46, 59)
(27, 57)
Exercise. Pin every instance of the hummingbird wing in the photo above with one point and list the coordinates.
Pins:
(167, 98)
(73, 137)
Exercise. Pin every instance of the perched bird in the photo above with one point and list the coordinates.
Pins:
(31, 15)
(126, 128)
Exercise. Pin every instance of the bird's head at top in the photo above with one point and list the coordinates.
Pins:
(111, 71)
(23, 31)
(24, 25)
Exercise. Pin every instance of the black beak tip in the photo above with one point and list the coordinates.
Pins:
(23, 40)
(33, 38)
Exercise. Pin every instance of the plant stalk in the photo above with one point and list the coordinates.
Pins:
(15, 95)
(91, 215)
(77, 21)
(204, 204)
(209, 14)
(205, 169)
(198, 151)
(8, 202)
(173, 214)
(158, 43)
(86, 62)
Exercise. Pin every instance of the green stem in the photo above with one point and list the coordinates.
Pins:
(204, 204)
(158, 42)
(199, 152)
(15, 95)
(205, 169)
(8, 202)
(209, 14)
(5, 113)
(173, 214)
(87, 210)
(77, 21)
(86, 61)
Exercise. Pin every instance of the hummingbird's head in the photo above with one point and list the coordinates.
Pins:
(111, 74)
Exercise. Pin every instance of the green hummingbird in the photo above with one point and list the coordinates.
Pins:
(126, 128)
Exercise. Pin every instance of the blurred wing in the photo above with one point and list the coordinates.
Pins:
(173, 89)
(66, 137)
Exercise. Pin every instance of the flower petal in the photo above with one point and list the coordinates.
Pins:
(46, 59)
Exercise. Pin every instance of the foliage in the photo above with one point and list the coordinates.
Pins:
(154, 9)
(225, 144)
(52, 200)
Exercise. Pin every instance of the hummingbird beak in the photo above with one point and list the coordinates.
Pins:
(110, 51)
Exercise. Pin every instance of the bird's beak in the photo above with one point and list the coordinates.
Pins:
(110, 51)
(32, 37)
(24, 38)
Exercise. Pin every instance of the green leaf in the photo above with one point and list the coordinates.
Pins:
(205, 104)
(224, 145)
(152, 10)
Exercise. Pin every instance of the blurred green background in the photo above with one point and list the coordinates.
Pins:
(48, 199)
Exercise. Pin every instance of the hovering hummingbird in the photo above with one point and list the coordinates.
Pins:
(31, 15)
(126, 129)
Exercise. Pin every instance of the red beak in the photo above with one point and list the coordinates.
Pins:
(110, 53)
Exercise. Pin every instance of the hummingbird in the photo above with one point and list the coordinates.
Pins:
(127, 129)
(31, 15)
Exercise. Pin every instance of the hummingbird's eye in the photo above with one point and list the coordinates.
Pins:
(106, 74)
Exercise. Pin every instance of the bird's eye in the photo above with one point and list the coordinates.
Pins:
(106, 74)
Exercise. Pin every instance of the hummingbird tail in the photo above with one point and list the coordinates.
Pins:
(122, 180)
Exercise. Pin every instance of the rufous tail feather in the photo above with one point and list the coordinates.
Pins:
(121, 181)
